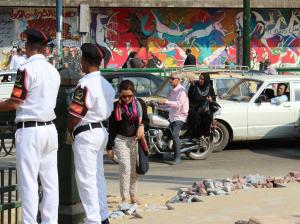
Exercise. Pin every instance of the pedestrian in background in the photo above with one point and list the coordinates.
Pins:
(34, 96)
(190, 58)
(269, 68)
(92, 104)
(126, 125)
(18, 59)
(136, 62)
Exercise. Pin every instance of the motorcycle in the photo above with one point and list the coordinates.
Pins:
(160, 138)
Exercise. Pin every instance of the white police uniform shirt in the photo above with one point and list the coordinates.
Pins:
(36, 86)
(93, 99)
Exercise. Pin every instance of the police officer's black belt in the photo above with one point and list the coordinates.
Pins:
(86, 127)
(29, 124)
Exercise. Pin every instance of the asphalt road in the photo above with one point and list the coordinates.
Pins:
(265, 158)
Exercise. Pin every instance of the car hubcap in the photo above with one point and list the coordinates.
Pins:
(218, 136)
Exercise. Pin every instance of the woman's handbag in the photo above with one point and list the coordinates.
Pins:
(142, 163)
(214, 106)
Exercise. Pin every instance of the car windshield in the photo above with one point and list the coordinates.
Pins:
(165, 89)
(243, 90)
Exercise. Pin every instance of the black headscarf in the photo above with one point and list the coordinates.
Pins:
(206, 85)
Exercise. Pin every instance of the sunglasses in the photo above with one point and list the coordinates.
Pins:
(126, 96)
(173, 78)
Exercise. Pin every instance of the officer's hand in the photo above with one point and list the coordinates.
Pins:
(140, 132)
(110, 154)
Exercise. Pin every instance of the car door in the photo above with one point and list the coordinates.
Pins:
(295, 95)
(266, 120)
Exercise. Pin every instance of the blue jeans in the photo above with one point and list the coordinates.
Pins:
(175, 129)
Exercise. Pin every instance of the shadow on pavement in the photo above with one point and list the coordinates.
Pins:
(156, 179)
(288, 149)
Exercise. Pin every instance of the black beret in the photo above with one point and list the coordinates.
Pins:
(37, 36)
(91, 51)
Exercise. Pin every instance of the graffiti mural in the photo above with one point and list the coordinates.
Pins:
(210, 33)
(165, 33)
(14, 21)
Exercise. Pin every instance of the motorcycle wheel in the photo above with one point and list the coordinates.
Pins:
(203, 151)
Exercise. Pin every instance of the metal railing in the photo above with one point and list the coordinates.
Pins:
(165, 72)
(288, 70)
(7, 140)
(9, 197)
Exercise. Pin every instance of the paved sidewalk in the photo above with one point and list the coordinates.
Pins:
(240, 205)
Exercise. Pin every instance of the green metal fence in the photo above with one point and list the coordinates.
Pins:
(288, 70)
(9, 198)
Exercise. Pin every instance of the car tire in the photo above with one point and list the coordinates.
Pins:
(221, 137)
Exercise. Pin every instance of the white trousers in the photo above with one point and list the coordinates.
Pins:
(36, 155)
(88, 150)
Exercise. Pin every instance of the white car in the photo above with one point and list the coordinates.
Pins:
(247, 113)
(7, 80)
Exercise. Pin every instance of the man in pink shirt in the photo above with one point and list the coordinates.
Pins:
(178, 104)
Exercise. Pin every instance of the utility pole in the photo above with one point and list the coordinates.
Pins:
(59, 18)
(246, 33)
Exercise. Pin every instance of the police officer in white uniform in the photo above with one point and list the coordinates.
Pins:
(34, 96)
(92, 103)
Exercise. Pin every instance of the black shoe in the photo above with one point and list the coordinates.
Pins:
(106, 221)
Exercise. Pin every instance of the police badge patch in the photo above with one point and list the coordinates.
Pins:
(78, 105)
(20, 91)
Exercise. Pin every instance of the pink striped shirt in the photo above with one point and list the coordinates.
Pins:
(178, 104)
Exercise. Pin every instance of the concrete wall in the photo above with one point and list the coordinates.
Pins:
(158, 3)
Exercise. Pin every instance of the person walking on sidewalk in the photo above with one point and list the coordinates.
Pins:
(34, 96)
(190, 58)
(126, 125)
(178, 104)
(92, 103)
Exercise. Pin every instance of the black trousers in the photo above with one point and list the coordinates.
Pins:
(199, 123)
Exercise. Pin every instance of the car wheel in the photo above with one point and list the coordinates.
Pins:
(221, 137)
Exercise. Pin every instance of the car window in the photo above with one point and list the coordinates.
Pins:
(154, 87)
(297, 91)
(142, 85)
(243, 90)
(223, 85)
(114, 82)
(165, 89)
(270, 91)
